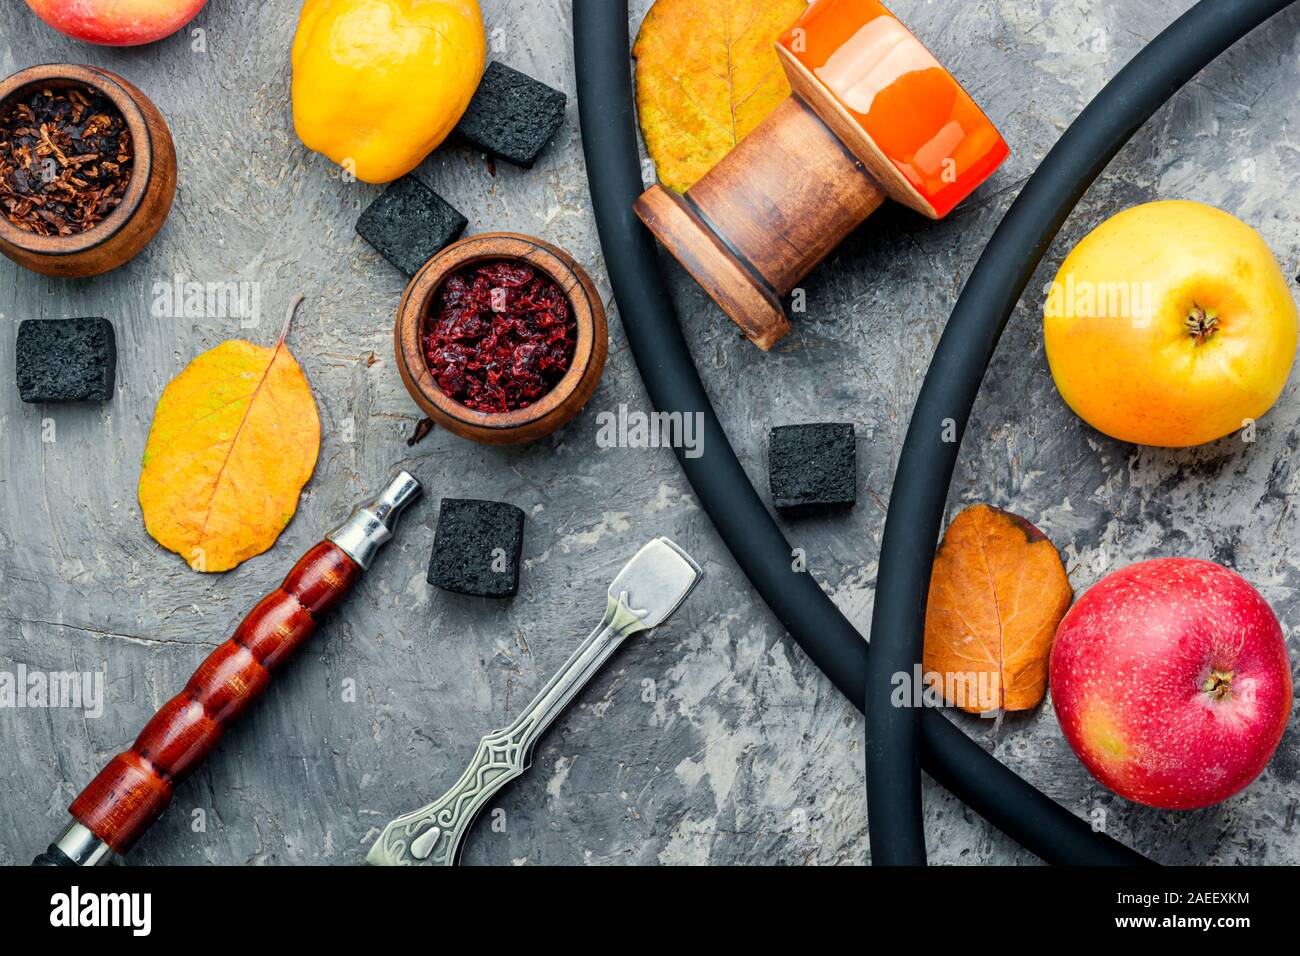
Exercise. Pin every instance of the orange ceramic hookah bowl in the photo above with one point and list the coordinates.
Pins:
(873, 115)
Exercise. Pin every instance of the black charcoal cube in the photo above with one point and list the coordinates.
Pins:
(66, 360)
(477, 547)
(813, 467)
(410, 223)
(512, 115)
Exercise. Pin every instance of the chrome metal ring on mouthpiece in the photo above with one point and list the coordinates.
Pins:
(372, 524)
(82, 847)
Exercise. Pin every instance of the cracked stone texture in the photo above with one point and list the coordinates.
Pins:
(712, 740)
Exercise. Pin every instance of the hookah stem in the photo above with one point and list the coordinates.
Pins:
(131, 792)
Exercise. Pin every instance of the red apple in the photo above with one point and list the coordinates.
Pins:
(117, 22)
(1171, 681)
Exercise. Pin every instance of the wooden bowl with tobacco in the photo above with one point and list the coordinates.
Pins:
(501, 338)
(87, 170)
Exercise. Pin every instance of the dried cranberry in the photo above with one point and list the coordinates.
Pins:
(501, 335)
(505, 273)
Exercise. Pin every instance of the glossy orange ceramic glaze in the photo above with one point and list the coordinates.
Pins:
(914, 110)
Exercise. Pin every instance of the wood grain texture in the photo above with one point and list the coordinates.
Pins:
(133, 790)
(712, 740)
(746, 297)
(551, 411)
(788, 195)
(148, 198)
(761, 219)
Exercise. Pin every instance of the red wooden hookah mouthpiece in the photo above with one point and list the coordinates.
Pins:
(136, 786)
(873, 115)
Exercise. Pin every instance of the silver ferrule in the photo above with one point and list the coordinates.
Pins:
(372, 524)
(82, 847)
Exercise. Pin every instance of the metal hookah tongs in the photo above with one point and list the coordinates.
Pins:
(643, 595)
(136, 786)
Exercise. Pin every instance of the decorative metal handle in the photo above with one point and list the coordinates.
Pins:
(435, 834)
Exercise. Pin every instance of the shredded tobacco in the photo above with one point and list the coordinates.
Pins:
(65, 160)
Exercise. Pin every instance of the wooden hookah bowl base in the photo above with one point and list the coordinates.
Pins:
(728, 277)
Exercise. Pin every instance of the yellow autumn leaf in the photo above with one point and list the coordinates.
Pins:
(235, 437)
(706, 75)
(997, 593)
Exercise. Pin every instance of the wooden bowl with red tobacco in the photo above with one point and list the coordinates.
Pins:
(501, 338)
(87, 170)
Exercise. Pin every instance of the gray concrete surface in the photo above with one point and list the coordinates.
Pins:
(713, 740)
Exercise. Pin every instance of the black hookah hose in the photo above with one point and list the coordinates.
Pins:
(895, 737)
(603, 65)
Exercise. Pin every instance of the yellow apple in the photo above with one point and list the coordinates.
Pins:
(1170, 324)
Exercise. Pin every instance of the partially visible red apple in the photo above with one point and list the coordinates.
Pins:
(1171, 681)
(117, 22)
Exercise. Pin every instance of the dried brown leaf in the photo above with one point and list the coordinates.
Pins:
(997, 594)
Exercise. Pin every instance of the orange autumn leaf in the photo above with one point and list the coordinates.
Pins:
(706, 74)
(997, 594)
(235, 437)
